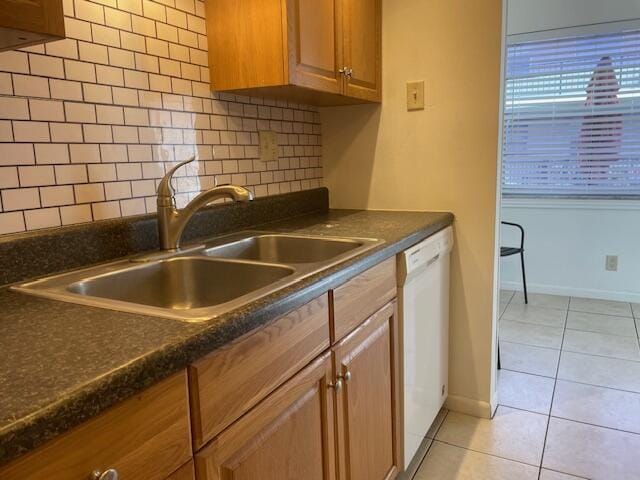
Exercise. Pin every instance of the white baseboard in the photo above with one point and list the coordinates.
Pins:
(469, 406)
(574, 292)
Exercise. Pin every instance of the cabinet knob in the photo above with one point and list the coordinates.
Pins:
(346, 376)
(349, 72)
(110, 474)
(336, 386)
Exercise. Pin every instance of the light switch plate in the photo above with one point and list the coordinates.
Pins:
(268, 146)
(415, 95)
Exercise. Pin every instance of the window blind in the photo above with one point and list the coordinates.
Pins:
(572, 117)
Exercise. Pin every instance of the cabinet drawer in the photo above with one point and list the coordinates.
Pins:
(144, 438)
(227, 383)
(361, 296)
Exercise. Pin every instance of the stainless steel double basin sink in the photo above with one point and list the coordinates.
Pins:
(201, 282)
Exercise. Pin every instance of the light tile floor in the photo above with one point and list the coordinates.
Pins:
(569, 393)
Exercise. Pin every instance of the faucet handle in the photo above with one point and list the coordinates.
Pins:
(165, 190)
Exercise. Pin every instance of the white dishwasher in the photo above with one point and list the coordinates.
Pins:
(423, 281)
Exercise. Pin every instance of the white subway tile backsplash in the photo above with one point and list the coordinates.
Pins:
(113, 153)
(105, 210)
(66, 132)
(80, 112)
(91, 52)
(89, 11)
(117, 190)
(20, 199)
(117, 18)
(36, 176)
(46, 66)
(57, 196)
(71, 174)
(89, 124)
(42, 218)
(51, 153)
(46, 110)
(12, 222)
(105, 35)
(88, 193)
(6, 85)
(77, 29)
(28, 131)
(27, 86)
(121, 58)
(94, 133)
(14, 108)
(84, 153)
(97, 93)
(110, 75)
(81, 71)
(75, 214)
(16, 62)
(102, 172)
(9, 177)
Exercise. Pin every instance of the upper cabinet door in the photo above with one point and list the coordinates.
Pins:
(315, 44)
(28, 22)
(362, 23)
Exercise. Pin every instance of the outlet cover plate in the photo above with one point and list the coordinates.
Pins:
(268, 146)
(611, 263)
(415, 95)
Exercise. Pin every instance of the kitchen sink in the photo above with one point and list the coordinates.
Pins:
(286, 249)
(182, 283)
(201, 282)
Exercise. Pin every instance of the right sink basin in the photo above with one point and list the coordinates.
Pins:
(286, 249)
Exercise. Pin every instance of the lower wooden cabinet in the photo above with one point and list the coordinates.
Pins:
(288, 436)
(146, 437)
(367, 405)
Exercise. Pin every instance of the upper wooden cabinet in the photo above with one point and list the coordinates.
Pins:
(28, 22)
(324, 52)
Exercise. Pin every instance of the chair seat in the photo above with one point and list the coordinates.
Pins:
(506, 251)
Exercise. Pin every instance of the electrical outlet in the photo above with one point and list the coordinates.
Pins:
(268, 146)
(611, 264)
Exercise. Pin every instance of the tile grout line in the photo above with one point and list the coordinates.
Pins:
(553, 393)
(433, 440)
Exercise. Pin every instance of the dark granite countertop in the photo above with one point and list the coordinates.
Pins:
(62, 363)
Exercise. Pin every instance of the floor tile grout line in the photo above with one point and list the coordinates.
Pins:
(604, 333)
(553, 393)
(433, 440)
(564, 473)
(601, 356)
(488, 454)
(597, 386)
(574, 351)
(637, 434)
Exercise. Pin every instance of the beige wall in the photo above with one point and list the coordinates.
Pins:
(442, 158)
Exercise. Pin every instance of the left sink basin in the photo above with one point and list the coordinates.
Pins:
(187, 288)
(182, 283)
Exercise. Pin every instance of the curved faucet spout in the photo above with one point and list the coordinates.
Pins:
(172, 222)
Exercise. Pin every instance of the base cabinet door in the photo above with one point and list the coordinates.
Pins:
(367, 404)
(288, 436)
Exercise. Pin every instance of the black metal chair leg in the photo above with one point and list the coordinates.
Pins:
(524, 278)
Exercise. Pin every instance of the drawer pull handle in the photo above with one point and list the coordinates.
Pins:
(110, 474)
(336, 386)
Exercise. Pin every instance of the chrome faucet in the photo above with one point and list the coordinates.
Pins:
(172, 222)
